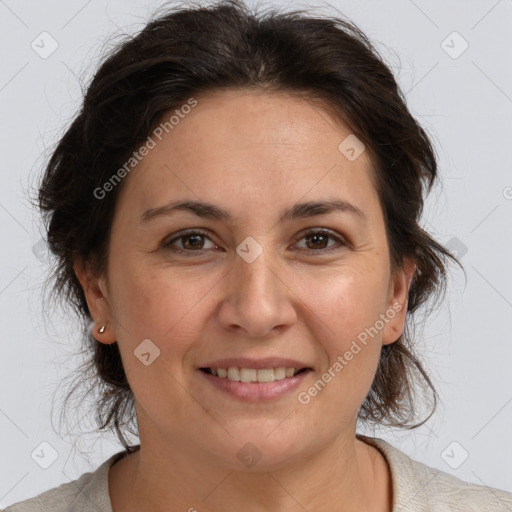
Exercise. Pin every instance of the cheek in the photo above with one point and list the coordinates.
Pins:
(158, 304)
(165, 308)
(348, 310)
(350, 299)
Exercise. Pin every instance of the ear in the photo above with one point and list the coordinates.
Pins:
(396, 307)
(96, 294)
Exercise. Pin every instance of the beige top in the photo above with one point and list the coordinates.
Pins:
(416, 488)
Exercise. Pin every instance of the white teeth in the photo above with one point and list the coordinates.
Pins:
(233, 374)
(253, 375)
(280, 373)
(248, 375)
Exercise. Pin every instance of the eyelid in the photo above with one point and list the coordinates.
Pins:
(340, 240)
(181, 234)
(323, 231)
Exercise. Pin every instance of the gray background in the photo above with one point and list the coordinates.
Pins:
(464, 101)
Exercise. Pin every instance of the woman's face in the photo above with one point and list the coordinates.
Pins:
(260, 273)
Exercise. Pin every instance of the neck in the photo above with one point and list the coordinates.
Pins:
(346, 475)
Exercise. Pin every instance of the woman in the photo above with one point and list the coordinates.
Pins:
(236, 208)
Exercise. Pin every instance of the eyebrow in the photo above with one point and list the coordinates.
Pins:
(211, 211)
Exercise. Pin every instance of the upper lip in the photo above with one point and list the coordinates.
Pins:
(258, 364)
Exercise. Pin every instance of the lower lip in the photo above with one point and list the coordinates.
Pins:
(257, 391)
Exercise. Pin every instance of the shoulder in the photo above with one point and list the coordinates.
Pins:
(418, 487)
(88, 492)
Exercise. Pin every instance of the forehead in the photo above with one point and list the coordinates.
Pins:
(250, 145)
(249, 120)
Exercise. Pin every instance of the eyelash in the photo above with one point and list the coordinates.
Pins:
(187, 252)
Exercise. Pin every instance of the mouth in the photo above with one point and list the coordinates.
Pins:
(256, 385)
(249, 375)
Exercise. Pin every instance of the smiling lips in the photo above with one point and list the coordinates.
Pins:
(253, 374)
(255, 380)
(270, 369)
(255, 385)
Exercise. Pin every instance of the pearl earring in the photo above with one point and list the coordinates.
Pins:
(101, 330)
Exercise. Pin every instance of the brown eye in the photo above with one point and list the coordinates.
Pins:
(193, 241)
(317, 241)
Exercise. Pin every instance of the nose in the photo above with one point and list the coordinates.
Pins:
(258, 299)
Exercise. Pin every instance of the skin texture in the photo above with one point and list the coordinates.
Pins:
(254, 154)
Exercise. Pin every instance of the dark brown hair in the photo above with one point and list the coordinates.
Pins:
(192, 50)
